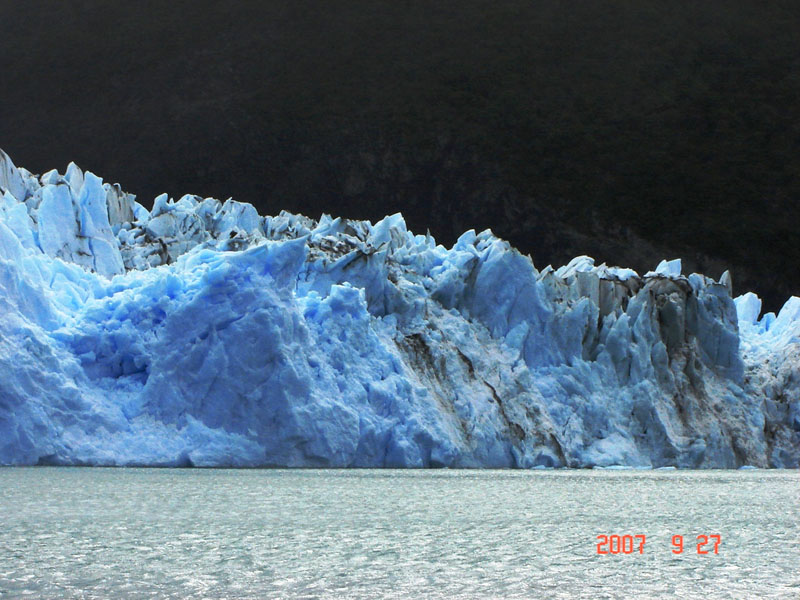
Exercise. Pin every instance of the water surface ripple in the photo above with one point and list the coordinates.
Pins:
(152, 533)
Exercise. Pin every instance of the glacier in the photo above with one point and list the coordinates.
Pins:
(200, 333)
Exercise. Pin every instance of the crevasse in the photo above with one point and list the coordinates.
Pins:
(200, 333)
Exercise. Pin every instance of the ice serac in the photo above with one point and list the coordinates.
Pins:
(201, 333)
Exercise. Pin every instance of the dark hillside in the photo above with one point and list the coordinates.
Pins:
(630, 131)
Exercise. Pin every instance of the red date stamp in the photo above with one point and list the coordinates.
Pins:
(630, 544)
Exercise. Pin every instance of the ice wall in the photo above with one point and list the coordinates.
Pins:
(200, 333)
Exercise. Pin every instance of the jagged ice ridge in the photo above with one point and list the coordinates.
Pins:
(200, 333)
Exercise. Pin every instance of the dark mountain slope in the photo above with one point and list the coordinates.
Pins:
(629, 131)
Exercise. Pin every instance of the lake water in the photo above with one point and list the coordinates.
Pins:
(149, 533)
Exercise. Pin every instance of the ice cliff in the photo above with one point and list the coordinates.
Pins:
(200, 333)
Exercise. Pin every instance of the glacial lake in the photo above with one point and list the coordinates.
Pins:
(158, 533)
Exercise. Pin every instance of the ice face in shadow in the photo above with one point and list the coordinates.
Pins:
(200, 333)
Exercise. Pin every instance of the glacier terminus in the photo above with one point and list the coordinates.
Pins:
(200, 333)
